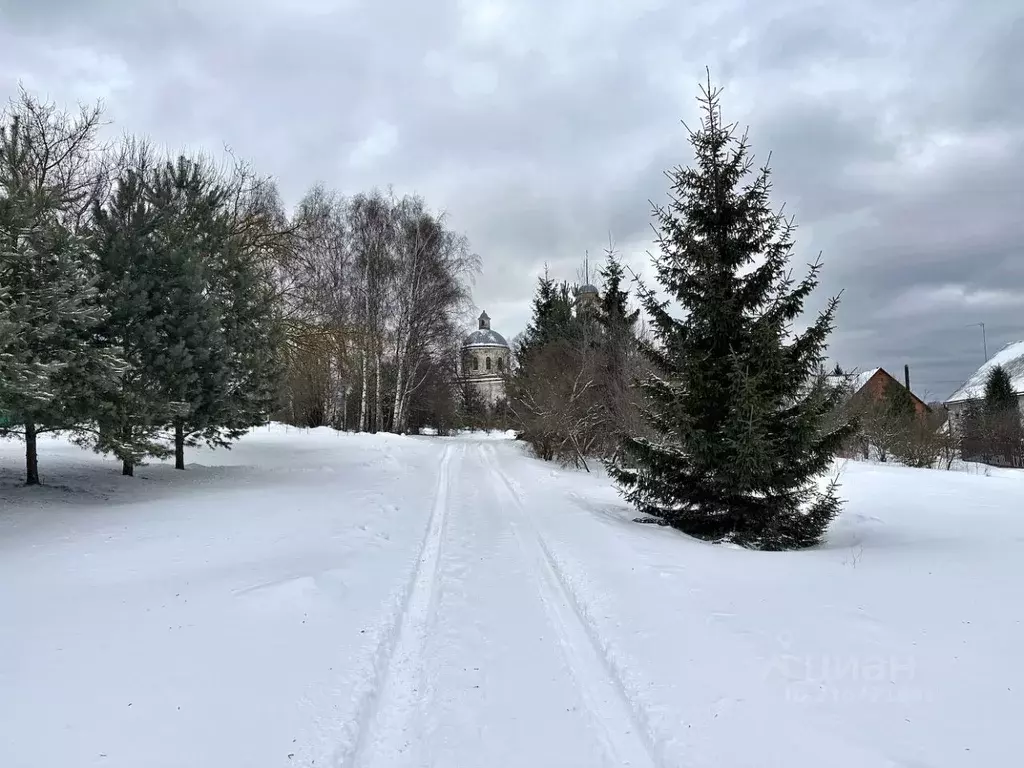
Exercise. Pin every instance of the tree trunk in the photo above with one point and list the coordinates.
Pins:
(127, 465)
(396, 414)
(364, 403)
(179, 444)
(378, 410)
(364, 411)
(404, 337)
(344, 407)
(31, 454)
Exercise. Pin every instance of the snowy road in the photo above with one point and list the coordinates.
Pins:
(315, 599)
(494, 665)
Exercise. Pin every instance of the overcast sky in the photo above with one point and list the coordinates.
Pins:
(541, 126)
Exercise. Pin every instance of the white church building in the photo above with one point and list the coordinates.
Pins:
(485, 361)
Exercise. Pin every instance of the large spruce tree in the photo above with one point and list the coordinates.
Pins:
(736, 399)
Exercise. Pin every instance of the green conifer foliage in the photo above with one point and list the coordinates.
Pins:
(56, 365)
(737, 399)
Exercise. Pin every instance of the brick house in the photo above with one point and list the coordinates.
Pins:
(871, 385)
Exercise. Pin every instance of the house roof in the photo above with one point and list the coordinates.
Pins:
(1010, 357)
(854, 382)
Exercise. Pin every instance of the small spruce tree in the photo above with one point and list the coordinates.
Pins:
(618, 346)
(614, 315)
(999, 395)
(737, 399)
(900, 401)
(552, 317)
(1002, 418)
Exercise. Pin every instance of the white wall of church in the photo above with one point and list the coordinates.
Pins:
(483, 369)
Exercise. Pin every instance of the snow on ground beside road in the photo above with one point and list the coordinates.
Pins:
(896, 644)
(360, 601)
(230, 615)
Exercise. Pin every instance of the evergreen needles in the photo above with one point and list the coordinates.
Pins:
(736, 397)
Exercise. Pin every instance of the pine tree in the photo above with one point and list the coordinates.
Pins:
(193, 371)
(55, 365)
(253, 336)
(231, 369)
(736, 397)
(133, 285)
(154, 238)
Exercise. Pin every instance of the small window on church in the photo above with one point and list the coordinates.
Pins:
(488, 363)
(476, 364)
(500, 361)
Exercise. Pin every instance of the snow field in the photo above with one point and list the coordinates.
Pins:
(893, 645)
(224, 616)
(360, 601)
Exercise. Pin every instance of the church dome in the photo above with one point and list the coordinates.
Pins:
(484, 336)
(586, 289)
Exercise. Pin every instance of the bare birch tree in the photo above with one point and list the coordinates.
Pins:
(432, 267)
(381, 284)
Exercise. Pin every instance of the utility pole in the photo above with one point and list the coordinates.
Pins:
(984, 338)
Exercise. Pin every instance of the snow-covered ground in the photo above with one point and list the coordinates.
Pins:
(315, 599)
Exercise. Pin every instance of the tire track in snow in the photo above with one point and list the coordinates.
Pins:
(386, 708)
(627, 736)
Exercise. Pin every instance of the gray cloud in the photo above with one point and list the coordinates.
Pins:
(897, 133)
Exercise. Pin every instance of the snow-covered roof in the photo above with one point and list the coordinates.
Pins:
(853, 381)
(1010, 357)
(485, 337)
